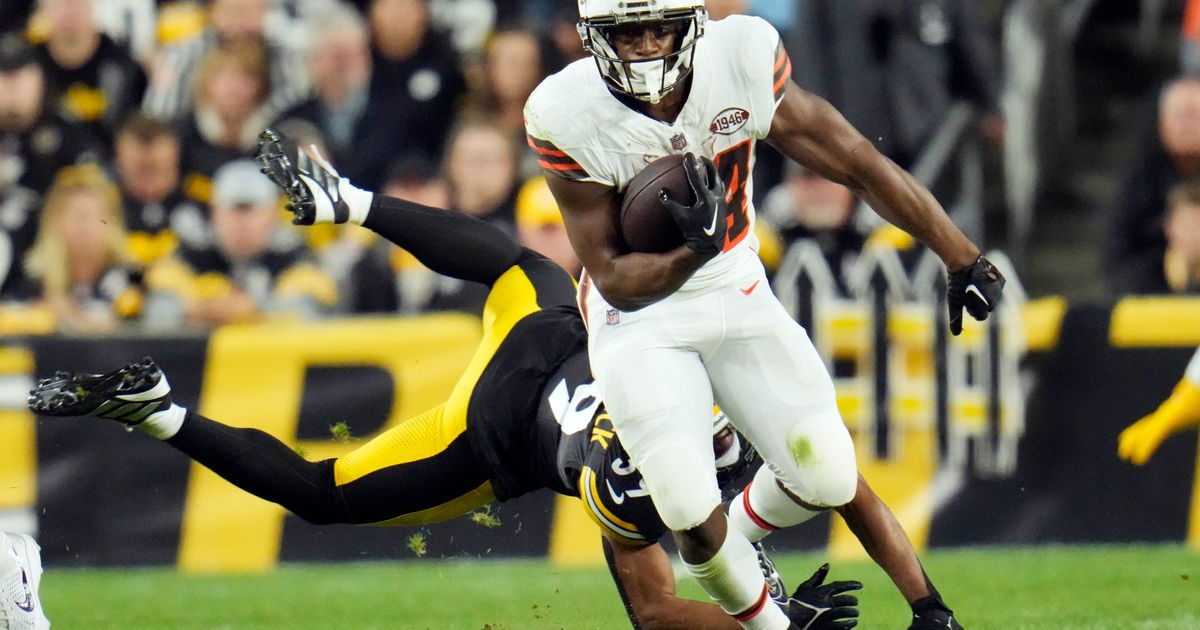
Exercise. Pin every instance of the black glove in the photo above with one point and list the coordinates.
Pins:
(817, 606)
(931, 613)
(977, 287)
(703, 222)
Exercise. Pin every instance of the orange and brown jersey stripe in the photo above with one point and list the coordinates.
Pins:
(783, 70)
(555, 159)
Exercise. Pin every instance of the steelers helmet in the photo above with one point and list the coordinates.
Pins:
(646, 79)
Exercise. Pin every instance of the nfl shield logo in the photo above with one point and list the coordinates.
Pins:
(678, 142)
(613, 317)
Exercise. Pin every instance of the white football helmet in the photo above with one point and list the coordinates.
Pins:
(647, 79)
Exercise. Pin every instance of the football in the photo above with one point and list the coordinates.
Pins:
(645, 224)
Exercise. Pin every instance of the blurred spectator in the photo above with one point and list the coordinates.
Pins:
(416, 75)
(481, 168)
(808, 207)
(19, 210)
(388, 279)
(360, 134)
(564, 36)
(1181, 266)
(936, 52)
(921, 56)
(89, 78)
(256, 267)
(231, 88)
(14, 14)
(177, 21)
(540, 225)
(132, 24)
(38, 140)
(1136, 243)
(514, 68)
(157, 214)
(79, 265)
(468, 22)
(229, 22)
(1189, 49)
(416, 179)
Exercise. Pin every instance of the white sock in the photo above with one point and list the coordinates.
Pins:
(164, 424)
(764, 507)
(358, 200)
(733, 579)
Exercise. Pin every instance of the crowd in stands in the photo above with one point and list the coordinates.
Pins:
(127, 196)
(1153, 222)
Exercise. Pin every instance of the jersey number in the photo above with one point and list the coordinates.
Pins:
(733, 165)
(574, 411)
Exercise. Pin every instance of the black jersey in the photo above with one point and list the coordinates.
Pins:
(591, 462)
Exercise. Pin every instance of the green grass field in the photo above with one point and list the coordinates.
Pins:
(1063, 588)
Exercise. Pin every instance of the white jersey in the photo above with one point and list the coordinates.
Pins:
(581, 131)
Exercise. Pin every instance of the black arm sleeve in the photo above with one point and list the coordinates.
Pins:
(450, 243)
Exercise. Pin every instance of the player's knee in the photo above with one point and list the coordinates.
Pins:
(686, 510)
(683, 486)
(821, 467)
(322, 503)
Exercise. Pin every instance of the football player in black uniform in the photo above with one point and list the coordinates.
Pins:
(522, 417)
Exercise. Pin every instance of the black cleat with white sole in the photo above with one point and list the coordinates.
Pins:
(311, 185)
(128, 395)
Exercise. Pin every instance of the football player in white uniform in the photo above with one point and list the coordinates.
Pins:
(671, 332)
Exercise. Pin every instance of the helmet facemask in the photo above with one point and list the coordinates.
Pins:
(645, 79)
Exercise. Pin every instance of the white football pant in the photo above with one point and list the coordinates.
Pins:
(661, 368)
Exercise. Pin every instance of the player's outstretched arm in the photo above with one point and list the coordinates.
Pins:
(627, 280)
(646, 584)
(885, 541)
(810, 131)
(1138, 442)
(450, 243)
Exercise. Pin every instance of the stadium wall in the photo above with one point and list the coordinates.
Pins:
(1006, 435)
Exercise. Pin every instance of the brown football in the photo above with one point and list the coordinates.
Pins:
(645, 224)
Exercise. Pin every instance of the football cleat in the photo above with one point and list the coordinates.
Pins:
(128, 395)
(775, 586)
(20, 576)
(310, 184)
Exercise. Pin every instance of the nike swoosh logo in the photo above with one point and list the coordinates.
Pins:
(750, 289)
(712, 227)
(27, 605)
(972, 289)
(617, 498)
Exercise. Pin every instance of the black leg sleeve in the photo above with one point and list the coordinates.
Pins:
(450, 243)
(265, 467)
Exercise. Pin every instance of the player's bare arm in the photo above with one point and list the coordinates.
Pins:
(646, 582)
(809, 130)
(627, 280)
